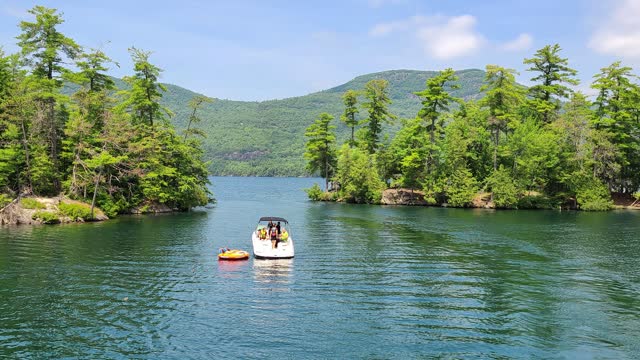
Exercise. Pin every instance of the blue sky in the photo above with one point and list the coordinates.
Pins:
(257, 50)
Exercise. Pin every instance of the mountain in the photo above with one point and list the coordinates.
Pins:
(267, 138)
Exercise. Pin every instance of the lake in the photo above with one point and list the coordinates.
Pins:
(369, 282)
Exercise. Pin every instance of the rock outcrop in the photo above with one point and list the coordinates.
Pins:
(41, 210)
(403, 197)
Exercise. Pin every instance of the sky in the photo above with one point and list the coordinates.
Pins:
(260, 50)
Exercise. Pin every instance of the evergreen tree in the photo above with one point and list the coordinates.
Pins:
(435, 100)
(320, 147)
(350, 100)
(554, 72)
(377, 97)
(43, 49)
(143, 99)
(617, 113)
(358, 176)
(502, 97)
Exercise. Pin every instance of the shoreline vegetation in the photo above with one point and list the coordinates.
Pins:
(95, 153)
(542, 147)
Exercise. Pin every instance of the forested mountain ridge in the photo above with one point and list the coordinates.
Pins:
(266, 138)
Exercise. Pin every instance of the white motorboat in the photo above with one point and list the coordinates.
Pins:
(263, 245)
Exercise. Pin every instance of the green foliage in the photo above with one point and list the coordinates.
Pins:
(75, 210)
(503, 189)
(320, 148)
(377, 94)
(461, 188)
(592, 195)
(616, 114)
(357, 176)
(315, 193)
(30, 203)
(536, 201)
(142, 100)
(350, 99)
(5, 200)
(117, 152)
(47, 217)
(248, 138)
(554, 72)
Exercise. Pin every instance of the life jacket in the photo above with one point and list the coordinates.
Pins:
(285, 235)
(263, 233)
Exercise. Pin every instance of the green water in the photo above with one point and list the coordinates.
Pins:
(367, 282)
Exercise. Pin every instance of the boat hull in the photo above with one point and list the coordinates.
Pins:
(262, 248)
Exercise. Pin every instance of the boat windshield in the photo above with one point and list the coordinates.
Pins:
(273, 219)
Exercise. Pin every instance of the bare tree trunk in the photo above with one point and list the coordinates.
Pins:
(186, 132)
(95, 192)
(26, 154)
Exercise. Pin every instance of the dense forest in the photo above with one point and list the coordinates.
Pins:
(545, 146)
(66, 129)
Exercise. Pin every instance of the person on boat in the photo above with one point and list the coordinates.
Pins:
(263, 233)
(285, 235)
(278, 227)
(274, 237)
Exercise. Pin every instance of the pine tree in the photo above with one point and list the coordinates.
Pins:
(350, 100)
(554, 72)
(378, 99)
(320, 147)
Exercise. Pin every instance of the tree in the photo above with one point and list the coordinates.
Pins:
(378, 98)
(618, 113)
(143, 100)
(194, 105)
(435, 100)
(358, 176)
(16, 113)
(320, 147)
(554, 72)
(502, 97)
(350, 100)
(43, 48)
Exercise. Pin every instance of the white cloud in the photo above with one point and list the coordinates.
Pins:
(620, 34)
(442, 37)
(521, 43)
(453, 37)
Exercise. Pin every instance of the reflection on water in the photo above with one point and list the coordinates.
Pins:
(276, 271)
(366, 282)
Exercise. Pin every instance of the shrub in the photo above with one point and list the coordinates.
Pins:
(75, 210)
(314, 193)
(463, 188)
(536, 202)
(30, 203)
(4, 200)
(505, 192)
(46, 217)
(593, 195)
(358, 176)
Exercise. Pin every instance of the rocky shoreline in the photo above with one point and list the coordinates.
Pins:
(33, 210)
(411, 197)
(43, 210)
